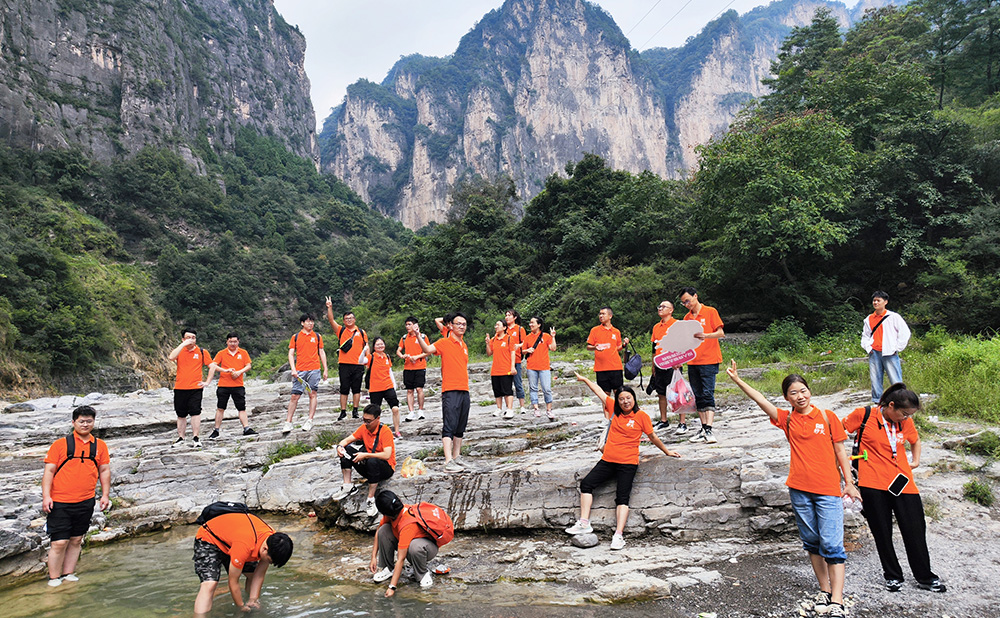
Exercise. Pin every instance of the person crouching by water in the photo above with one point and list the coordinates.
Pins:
(375, 460)
(240, 543)
(621, 457)
(399, 539)
(887, 426)
(816, 439)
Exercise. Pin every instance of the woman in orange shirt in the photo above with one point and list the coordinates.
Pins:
(536, 349)
(816, 439)
(888, 425)
(381, 383)
(620, 460)
(501, 348)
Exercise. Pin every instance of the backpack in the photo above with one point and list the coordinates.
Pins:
(295, 339)
(857, 443)
(215, 509)
(70, 451)
(633, 365)
(434, 522)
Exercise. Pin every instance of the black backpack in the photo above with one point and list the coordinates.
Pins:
(857, 442)
(215, 509)
(71, 451)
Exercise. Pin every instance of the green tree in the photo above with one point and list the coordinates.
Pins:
(806, 49)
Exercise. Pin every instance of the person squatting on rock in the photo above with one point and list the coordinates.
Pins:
(188, 385)
(537, 346)
(455, 401)
(242, 544)
(703, 369)
(816, 440)
(232, 363)
(398, 540)
(380, 382)
(375, 460)
(305, 356)
(73, 466)
(352, 356)
(606, 342)
(414, 369)
(886, 427)
(620, 459)
(499, 347)
(884, 334)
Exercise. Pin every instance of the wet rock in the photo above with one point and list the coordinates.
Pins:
(585, 540)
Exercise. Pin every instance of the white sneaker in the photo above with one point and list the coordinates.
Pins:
(681, 429)
(55, 581)
(412, 416)
(508, 414)
(370, 507)
(420, 415)
(453, 466)
(426, 581)
(520, 409)
(306, 426)
(382, 575)
(287, 428)
(699, 437)
(617, 541)
(70, 577)
(345, 490)
(496, 413)
(580, 528)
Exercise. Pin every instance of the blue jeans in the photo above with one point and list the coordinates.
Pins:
(545, 377)
(518, 385)
(702, 379)
(820, 520)
(878, 366)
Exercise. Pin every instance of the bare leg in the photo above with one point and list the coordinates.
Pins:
(409, 400)
(586, 500)
(343, 402)
(292, 403)
(356, 400)
(662, 401)
(57, 552)
(219, 412)
(313, 400)
(446, 446)
(499, 404)
(822, 573)
(836, 582)
(510, 402)
(395, 419)
(206, 594)
(181, 426)
(682, 418)
(420, 398)
(371, 490)
(621, 516)
(244, 420)
(707, 417)
(195, 425)
(456, 447)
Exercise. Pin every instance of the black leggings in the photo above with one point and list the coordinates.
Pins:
(879, 506)
(605, 471)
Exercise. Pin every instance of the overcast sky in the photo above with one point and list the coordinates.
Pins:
(352, 39)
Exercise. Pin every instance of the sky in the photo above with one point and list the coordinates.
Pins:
(347, 40)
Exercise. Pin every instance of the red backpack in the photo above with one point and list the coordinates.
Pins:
(434, 521)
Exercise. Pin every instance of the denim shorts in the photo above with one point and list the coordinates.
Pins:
(820, 520)
(310, 377)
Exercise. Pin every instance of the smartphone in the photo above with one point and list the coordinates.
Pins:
(898, 484)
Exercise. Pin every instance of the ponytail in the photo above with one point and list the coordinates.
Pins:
(900, 397)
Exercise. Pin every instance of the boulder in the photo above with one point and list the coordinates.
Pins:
(585, 540)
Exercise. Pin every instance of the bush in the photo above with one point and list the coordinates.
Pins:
(785, 335)
(978, 491)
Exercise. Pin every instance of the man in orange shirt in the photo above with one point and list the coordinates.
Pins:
(305, 355)
(400, 539)
(231, 363)
(352, 356)
(606, 342)
(705, 366)
(455, 402)
(414, 368)
(660, 379)
(68, 492)
(188, 386)
(375, 460)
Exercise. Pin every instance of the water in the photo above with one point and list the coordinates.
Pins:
(154, 576)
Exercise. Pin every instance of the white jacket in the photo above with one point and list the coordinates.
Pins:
(895, 334)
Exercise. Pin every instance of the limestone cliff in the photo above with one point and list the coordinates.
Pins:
(112, 76)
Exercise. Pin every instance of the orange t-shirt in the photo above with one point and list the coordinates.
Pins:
(352, 356)
(405, 528)
(307, 347)
(813, 467)
(622, 445)
(244, 533)
(517, 335)
(881, 468)
(231, 360)
(385, 440)
(189, 364)
(412, 347)
(454, 364)
(608, 359)
(381, 377)
(874, 319)
(709, 352)
(660, 329)
(76, 480)
(539, 359)
(500, 346)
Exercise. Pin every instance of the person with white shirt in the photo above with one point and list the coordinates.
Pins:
(884, 335)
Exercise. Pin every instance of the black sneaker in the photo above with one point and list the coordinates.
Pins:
(178, 441)
(197, 442)
(248, 431)
(354, 413)
(663, 425)
(934, 585)
(343, 415)
(894, 585)
(214, 434)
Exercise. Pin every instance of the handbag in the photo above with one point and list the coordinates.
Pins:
(633, 364)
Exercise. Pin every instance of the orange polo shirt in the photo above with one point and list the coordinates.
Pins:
(709, 352)
(412, 347)
(882, 468)
(517, 335)
(539, 359)
(622, 445)
(813, 466)
(454, 364)
(385, 440)
(77, 480)
(381, 377)
(244, 533)
(352, 356)
(231, 360)
(500, 346)
(307, 347)
(660, 329)
(608, 359)
(189, 364)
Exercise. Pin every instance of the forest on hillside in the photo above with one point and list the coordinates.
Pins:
(874, 163)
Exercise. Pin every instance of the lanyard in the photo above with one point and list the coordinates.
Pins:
(891, 437)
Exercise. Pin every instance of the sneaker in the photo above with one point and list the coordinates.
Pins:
(836, 610)
(343, 415)
(382, 575)
(410, 417)
(345, 490)
(408, 572)
(580, 528)
(70, 577)
(370, 507)
(681, 429)
(421, 415)
(821, 602)
(617, 541)
(214, 434)
(894, 585)
(699, 437)
(453, 466)
(55, 581)
(197, 442)
(496, 413)
(509, 414)
(709, 438)
(538, 413)
(306, 426)
(550, 414)
(354, 413)
(248, 431)
(398, 435)
(462, 461)
(662, 425)
(287, 428)
(178, 441)
(520, 409)
(934, 586)
(426, 581)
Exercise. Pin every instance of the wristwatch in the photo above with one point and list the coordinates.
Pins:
(391, 587)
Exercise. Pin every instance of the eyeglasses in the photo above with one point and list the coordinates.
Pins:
(907, 413)
(368, 420)
(84, 421)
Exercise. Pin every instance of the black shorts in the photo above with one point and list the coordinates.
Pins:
(503, 386)
(455, 407)
(209, 561)
(238, 393)
(660, 380)
(69, 519)
(610, 380)
(187, 402)
(414, 378)
(604, 471)
(351, 377)
(389, 396)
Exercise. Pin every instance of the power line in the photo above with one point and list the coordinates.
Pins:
(666, 24)
(644, 17)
